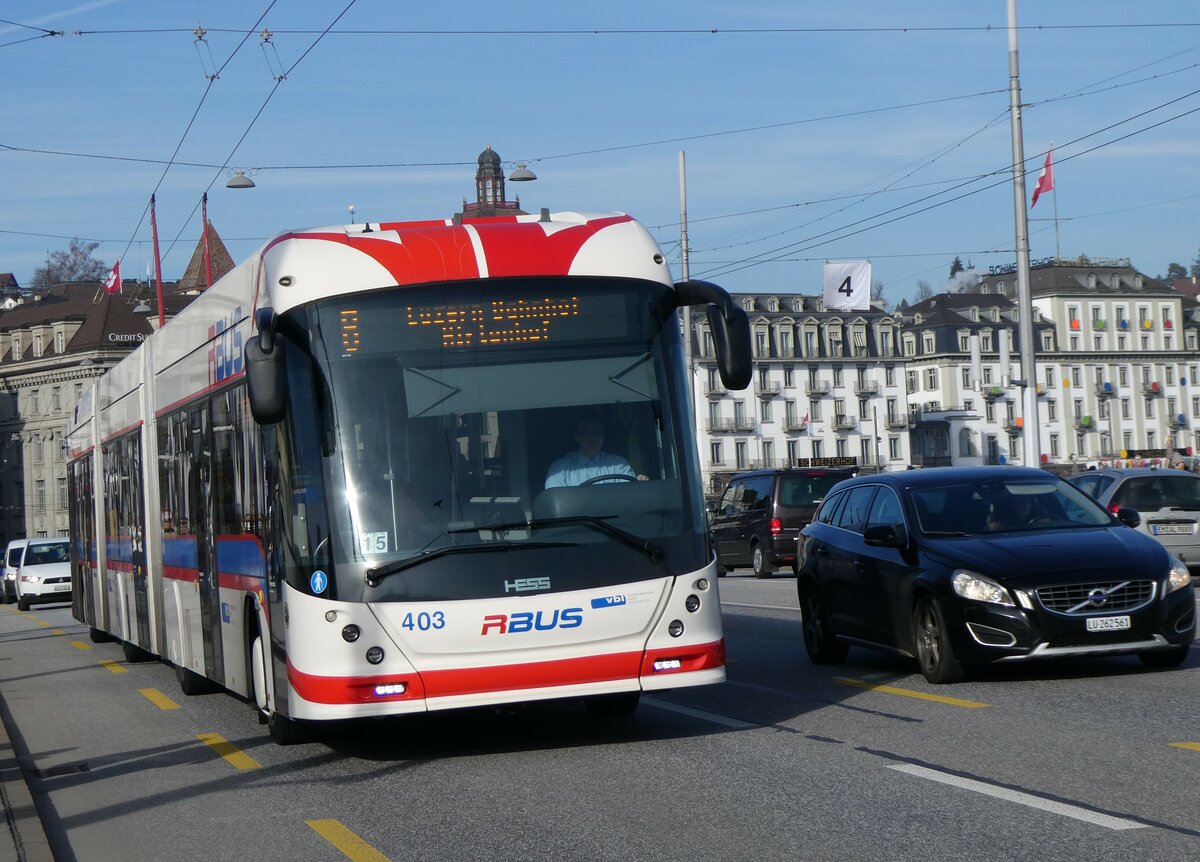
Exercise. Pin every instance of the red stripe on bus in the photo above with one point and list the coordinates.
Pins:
(480, 680)
(176, 573)
(235, 581)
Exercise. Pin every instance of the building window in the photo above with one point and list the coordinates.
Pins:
(788, 376)
(740, 450)
(792, 453)
(1123, 375)
(894, 448)
(768, 453)
(1125, 407)
(889, 375)
(764, 409)
(965, 449)
(1074, 342)
(818, 447)
(715, 453)
(62, 492)
(1053, 445)
(837, 375)
(931, 379)
(760, 344)
(1051, 410)
(39, 494)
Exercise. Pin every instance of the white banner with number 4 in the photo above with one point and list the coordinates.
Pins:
(848, 285)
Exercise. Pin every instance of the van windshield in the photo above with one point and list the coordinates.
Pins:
(51, 552)
(805, 490)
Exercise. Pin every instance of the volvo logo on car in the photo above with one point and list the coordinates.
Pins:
(1098, 597)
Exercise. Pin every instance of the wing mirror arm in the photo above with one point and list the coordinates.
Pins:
(729, 326)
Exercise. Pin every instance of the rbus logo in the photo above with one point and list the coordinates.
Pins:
(225, 348)
(526, 621)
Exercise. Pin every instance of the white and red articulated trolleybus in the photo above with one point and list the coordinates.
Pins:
(323, 485)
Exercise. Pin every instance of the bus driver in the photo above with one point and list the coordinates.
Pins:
(589, 460)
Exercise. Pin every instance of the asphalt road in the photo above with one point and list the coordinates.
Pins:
(862, 761)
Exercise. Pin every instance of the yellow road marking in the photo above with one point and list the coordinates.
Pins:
(80, 645)
(113, 666)
(353, 847)
(1191, 746)
(232, 754)
(157, 698)
(42, 623)
(58, 632)
(905, 692)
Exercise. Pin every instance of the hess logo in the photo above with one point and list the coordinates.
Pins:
(526, 585)
(528, 621)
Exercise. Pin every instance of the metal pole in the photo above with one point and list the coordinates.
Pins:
(207, 255)
(1031, 437)
(684, 272)
(157, 265)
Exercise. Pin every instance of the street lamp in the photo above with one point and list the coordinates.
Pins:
(522, 174)
(239, 180)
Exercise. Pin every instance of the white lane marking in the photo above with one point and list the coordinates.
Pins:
(1093, 817)
(700, 714)
(760, 607)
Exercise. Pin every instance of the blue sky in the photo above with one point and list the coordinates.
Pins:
(812, 131)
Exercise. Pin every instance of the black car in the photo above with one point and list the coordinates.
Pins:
(957, 566)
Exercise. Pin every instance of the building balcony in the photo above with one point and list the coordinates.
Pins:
(1104, 390)
(865, 387)
(1151, 389)
(795, 425)
(719, 426)
(895, 421)
(767, 387)
(1085, 423)
(816, 387)
(845, 423)
(715, 390)
(991, 393)
(1013, 427)
(1178, 421)
(744, 424)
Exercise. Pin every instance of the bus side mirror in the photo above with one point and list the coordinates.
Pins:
(266, 371)
(730, 330)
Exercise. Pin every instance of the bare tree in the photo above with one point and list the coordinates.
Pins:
(74, 264)
(924, 291)
(877, 295)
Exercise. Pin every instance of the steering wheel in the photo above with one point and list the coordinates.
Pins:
(607, 477)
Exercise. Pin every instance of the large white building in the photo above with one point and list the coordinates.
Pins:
(1117, 358)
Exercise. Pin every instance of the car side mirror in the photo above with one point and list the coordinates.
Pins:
(266, 371)
(729, 327)
(882, 536)
(1129, 517)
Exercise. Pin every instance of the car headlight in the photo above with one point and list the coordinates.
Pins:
(1178, 577)
(974, 586)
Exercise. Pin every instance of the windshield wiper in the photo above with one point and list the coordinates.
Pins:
(596, 522)
(377, 574)
(942, 533)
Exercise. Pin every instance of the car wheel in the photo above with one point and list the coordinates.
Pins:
(192, 684)
(1173, 657)
(935, 655)
(758, 562)
(820, 640)
(22, 603)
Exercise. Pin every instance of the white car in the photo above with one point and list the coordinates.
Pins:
(13, 553)
(45, 573)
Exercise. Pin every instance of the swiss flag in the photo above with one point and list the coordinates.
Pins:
(112, 283)
(1045, 178)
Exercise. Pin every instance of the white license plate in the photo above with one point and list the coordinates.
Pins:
(61, 587)
(1108, 624)
(1171, 529)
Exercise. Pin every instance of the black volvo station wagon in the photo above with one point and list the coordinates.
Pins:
(957, 566)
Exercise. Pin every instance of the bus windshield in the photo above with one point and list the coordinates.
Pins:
(479, 440)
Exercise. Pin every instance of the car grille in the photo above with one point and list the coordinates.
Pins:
(63, 580)
(1076, 599)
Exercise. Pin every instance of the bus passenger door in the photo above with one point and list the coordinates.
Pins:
(201, 506)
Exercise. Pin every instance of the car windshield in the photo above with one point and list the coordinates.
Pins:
(1004, 505)
(807, 489)
(40, 555)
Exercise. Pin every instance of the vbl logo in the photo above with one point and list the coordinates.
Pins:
(526, 621)
(225, 352)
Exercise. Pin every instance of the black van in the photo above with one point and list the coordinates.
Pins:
(759, 517)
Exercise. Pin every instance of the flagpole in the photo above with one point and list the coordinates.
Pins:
(157, 264)
(207, 256)
(1054, 188)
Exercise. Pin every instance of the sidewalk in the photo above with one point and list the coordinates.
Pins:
(22, 839)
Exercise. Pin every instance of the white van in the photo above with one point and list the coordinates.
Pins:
(45, 573)
(12, 564)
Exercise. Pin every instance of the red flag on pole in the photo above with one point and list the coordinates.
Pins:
(112, 283)
(1045, 179)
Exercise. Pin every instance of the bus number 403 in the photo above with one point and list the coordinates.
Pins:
(424, 621)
